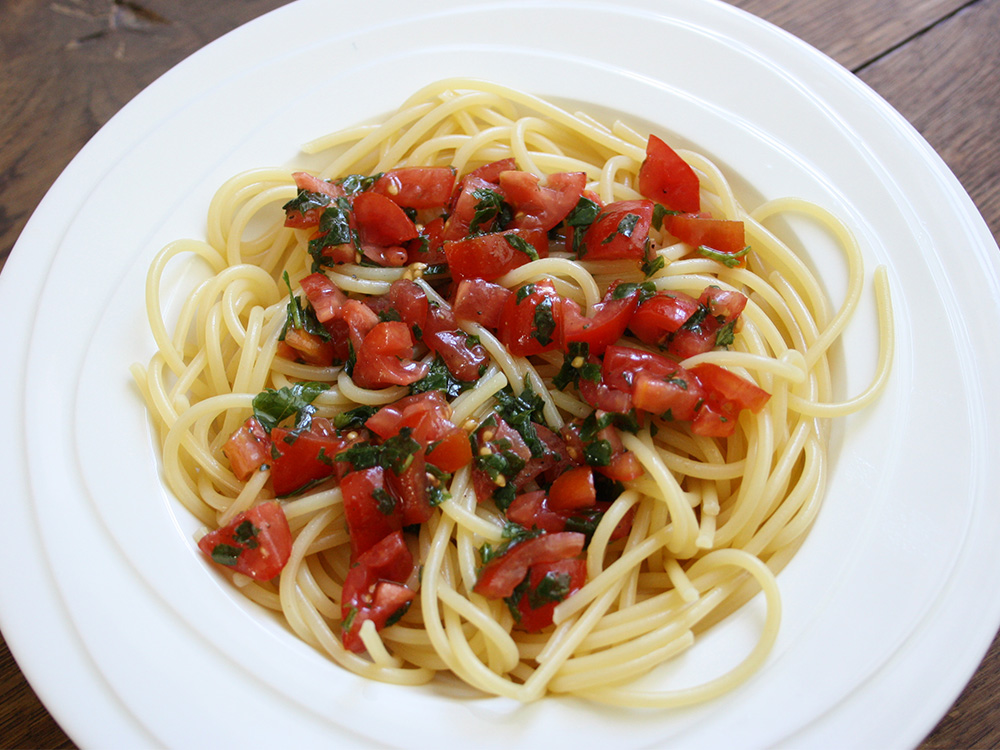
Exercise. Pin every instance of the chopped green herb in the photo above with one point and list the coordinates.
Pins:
(226, 554)
(726, 335)
(355, 418)
(598, 453)
(659, 212)
(580, 218)
(554, 587)
(730, 260)
(646, 290)
(490, 213)
(524, 291)
(652, 264)
(521, 413)
(271, 407)
(307, 200)
(358, 183)
(576, 364)
(625, 228)
(545, 324)
(521, 245)
(385, 502)
(388, 314)
(439, 378)
(245, 534)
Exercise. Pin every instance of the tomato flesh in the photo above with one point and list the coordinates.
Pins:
(531, 322)
(620, 231)
(500, 576)
(666, 178)
(256, 543)
(373, 588)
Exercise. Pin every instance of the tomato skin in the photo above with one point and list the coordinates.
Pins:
(666, 178)
(417, 187)
(531, 322)
(430, 252)
(262, 554)
(297, 462)
(541, 206)
(539, 618)
(411, 489)
(719, 234)
(426, 414)
(723, 303)
(360, 320)
(385, 357)
(451, 452)
(247, 449)
(366, 596)
(480, 301)
(619, 232)
(622, 363)
(488, 173)
(490, 256)
(410, 301)
(573, 489)
(367, 522)
(501, 575)
(677, 394)
(729, 390)
(604, 328)
(324, 296)
(380, 221)
(531, 510)
(459, 222)
(604, 396)
(662, 315)
(309, 347)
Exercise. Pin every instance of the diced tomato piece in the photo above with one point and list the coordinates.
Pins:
(661, 315)
(247, 449)
(300, 460)
(417, 187)
(541, 206)
(373, 588)
(325, 297)
(666, 178)
(531, 322)
(723, 303)
(386, 357)
(692, 340)
(728, 388)
(622, 363)
(480, 301)
(573, 489)
(488, 173)
(360, 320)
(306, 181)
(411, 488)
(674, 396)
(427, 246)
(410, 301)
(382, 222)
(462, 219)
(549, 584)
(721, 235)
(710, 422)
(256, 543)
(531, 511)
(409, 412)
(451, 452)
(501, 575)
(391, 256)
(624, 467)
(464, 359)
(619, 232)
(605, 397)
(309, 347)
(371, 510)
(607, 325)
(490, 256)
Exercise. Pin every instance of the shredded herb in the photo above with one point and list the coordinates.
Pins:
(306, 200)
(271, 407)
(545, 324)
(625, 228)
(301, 317)
(576, 365)
(521, 245)
(521, 413)
(554, 587)
(659, 212)
(597, 453)
(730, 260)
(395, 454)
(646, 290)
(355, 418)
(385, 502)
(439, 378)
(726, 335)
(358, 183)
(491, 212)
(652, 264)
(580, 218)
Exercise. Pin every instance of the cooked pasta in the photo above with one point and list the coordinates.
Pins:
(667, 519)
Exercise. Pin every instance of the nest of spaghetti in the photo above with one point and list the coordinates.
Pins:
(502, 392)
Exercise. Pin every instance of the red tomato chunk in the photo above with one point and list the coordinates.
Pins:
(256, 543)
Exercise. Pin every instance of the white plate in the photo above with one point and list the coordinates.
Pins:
(131, 642)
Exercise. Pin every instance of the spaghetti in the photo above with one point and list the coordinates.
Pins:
(586, 397)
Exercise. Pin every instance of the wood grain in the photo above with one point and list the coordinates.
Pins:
(67, 66)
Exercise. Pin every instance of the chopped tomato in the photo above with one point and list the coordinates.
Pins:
(310, 348)
(604, 396)
(360, 320)
(463, 219)
(386, 357)
(548, 584)
(490, 256)
(573, 489)
(381, 222)
(324, 296)
(256, 543)
(541, 206)
(501, 575)
(661, 315)
(427, 246)
(247, 449)
(725, 387)
(373, 588)
(721, 235)
(692, 340)
(532, 319)
(480, 301)
(410, 301)
(451, 452)
(417, 187)
(622, 363)
(620, 231)
(426, 414)
(531, 510)
(604, 328)
(723, 303)
(674, 396)
(666, 178)
(624, 467)
(410, 487)
(301, 459)
(372, 511)
(488, 173)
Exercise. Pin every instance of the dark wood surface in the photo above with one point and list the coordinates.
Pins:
(66, 66)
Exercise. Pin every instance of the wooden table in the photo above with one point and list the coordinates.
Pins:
(66, 66)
